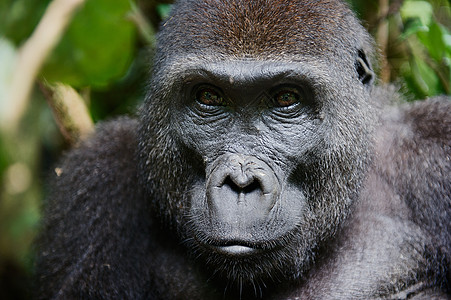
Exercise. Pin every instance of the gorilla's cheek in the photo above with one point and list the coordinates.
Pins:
(244, 205)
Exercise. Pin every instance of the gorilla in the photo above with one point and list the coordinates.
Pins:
(265, 163)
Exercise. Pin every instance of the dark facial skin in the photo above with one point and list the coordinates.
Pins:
(247, 156)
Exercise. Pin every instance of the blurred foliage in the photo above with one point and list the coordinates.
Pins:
(418, 48)
(428, 44)
(105, 54)
(82, 57)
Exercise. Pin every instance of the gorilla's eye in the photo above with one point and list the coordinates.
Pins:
(286, 97)
(210, 96)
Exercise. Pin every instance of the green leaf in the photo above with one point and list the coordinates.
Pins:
(413, 26)
(435, 41)
(18, 18)
(421, 78)
(412, 9)
(97, 47)
(164, 10)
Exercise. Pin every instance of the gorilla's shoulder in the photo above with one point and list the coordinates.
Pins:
(413, 148)
(114, 142)
(95, 213)
(430, 120)
(110, 137)
(416, 131)
(106, 159)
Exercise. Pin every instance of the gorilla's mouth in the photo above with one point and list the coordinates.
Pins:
(235, 250)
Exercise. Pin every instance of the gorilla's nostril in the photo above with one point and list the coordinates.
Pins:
(229, 182)
(242, 186)
(254, 185)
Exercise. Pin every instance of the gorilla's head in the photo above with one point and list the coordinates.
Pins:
(256, 133)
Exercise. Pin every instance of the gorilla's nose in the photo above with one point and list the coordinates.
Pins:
(241, 189)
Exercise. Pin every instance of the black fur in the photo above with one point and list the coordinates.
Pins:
(341, 195)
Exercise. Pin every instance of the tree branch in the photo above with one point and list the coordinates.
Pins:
(33, 54)
(69, 111)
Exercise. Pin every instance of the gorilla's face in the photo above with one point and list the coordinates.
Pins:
(252, 125)
(260, 162)
(255, 156)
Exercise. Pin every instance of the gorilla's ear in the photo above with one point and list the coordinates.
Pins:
(363, 67)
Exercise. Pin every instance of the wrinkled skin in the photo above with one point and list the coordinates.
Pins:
(264, 164)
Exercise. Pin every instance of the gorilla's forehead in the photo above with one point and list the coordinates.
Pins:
(252, 28)
(238, 72)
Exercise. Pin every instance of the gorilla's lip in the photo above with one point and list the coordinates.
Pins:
(237, 250)
(241, 247)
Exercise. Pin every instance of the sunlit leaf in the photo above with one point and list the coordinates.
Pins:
(422, 10)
